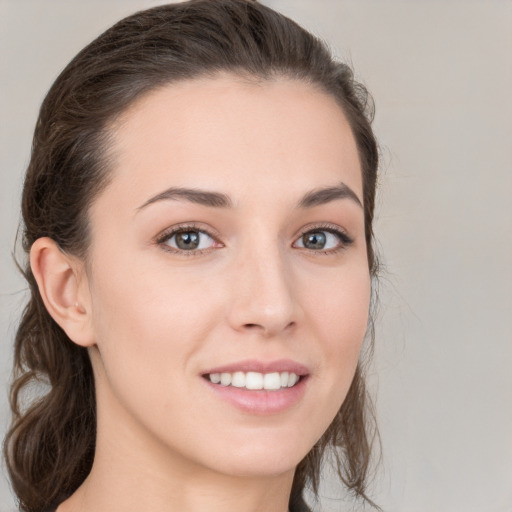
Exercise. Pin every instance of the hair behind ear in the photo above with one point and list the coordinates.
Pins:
(65, 435)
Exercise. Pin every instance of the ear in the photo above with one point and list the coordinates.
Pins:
(62, 283)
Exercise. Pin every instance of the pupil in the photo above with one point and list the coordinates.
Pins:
(187, 240)
(314, 240)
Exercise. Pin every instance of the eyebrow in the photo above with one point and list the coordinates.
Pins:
(219, 200)
(327, 194)
(203, 197)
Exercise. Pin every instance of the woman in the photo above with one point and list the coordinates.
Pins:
(198, 217)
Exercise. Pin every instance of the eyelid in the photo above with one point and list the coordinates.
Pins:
(344, 238)
(169, 232)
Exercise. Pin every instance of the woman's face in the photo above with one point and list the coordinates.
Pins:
(230, 241)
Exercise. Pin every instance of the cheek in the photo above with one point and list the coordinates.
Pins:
(341, 312)
(148, 311)
(340, 320)
(147, 324)
(150, 328)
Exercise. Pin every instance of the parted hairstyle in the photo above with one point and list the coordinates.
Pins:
(50, 445)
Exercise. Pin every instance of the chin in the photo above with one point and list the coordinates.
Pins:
(266, 458)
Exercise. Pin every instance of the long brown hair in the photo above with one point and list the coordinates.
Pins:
(50, 446)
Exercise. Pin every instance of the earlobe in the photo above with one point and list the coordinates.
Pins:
(60, 279)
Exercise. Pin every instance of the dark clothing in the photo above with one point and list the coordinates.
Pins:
(299, 505)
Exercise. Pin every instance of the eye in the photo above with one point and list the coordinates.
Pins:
(187, 239)
(325, 240)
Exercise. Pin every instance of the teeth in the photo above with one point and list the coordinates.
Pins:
(238, 380)
(215, 378)
(272, 381)
(292, 380)
(225, 379)
(255, 380)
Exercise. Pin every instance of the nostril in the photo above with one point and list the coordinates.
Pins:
(268, 330)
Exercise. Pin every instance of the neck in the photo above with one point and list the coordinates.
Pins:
(99, 493)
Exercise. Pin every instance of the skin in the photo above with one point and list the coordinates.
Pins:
(154, 319)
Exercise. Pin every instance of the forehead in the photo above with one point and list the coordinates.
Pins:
(237, 135)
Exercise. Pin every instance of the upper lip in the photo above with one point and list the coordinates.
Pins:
(253, 365)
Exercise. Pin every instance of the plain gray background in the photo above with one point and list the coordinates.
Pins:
(441, 76)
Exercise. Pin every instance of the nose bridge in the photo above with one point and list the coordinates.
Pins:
(263, 297)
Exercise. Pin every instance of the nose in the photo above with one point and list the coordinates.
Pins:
(263, 299)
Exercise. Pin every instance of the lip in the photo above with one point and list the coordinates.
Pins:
(253, 365)
(260, 402)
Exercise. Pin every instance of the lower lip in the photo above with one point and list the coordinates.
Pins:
(260, 401)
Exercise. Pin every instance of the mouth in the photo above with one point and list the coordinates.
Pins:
(273, 381)
(259, 388)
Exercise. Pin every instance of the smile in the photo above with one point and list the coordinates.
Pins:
(254, 380)
(257, 387)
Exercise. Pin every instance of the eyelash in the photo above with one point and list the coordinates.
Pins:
(168, 234)
(344, 239)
